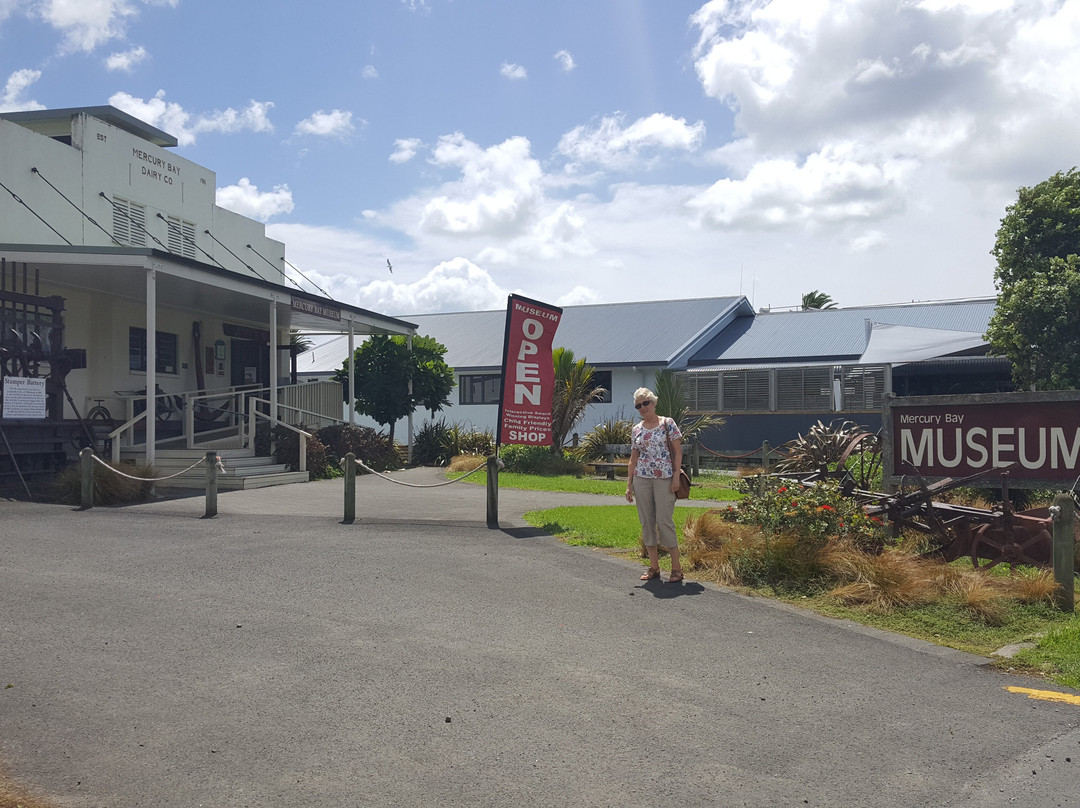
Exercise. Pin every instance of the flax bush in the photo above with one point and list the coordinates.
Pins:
(109, 488)
(611, 431)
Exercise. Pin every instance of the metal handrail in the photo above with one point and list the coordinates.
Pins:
(253, 414)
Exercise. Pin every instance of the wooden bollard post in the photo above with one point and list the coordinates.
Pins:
(1065, 552)
(493, 492)
(350, 487)
(86, 473)
(211, 483)
(764, 470)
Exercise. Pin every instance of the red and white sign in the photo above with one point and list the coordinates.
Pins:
(528, 374)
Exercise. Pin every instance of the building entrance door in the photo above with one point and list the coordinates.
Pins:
(250, 363)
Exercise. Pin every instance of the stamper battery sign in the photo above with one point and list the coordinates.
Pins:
(528, 374)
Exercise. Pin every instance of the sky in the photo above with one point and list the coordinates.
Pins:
(420, 156)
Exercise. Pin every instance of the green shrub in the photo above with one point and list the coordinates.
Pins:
(373, 448)
(109, 488)
(537, 460)
(613, 430)
(429, 447)
(459, 439)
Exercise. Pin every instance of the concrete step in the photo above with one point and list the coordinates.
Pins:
(243, 468)
(228, 482)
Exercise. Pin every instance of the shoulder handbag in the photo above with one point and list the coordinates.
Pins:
(684, 478)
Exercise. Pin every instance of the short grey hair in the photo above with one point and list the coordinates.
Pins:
(643, 394)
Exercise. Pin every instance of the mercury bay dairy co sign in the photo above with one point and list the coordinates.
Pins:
(1037, 435)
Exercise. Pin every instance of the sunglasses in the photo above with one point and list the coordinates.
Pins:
(642, 404)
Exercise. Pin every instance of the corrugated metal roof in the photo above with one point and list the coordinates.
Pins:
(832, 334)
(643, 333)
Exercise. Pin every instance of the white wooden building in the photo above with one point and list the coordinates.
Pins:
(108, 236)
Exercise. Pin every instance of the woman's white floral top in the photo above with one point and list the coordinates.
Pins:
(654, 460)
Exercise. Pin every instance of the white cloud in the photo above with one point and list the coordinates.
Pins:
(827, 187)
(174, 119)
(369, 72)
(579, 296)
(513, 72)
(498, 192)
(126, 60)
(871, 240)
(405, 149)
(565, 60)
(803, 75)
(85, 25)
(12, 100)
(247, 200)
(454, 285)
(336, 123)
(613, 145)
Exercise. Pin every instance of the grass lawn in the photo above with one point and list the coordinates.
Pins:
(1056, 655)
(608, 526)
(711, 487)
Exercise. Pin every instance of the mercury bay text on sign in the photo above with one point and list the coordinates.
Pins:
(948, 418)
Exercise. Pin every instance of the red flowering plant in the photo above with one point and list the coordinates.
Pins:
(815, 512)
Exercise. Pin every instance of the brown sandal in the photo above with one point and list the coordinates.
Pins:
(675, 577)
(650, 574)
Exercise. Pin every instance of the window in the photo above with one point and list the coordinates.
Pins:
(181, 236)
(167, 351)
(129, 222)
(864, 388)
(804, 388)
(602, 378)
(480, 389)
(702, 391)
(746, 391)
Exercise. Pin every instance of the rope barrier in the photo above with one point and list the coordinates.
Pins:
(755, 452)
(361, 464)
(220, 468)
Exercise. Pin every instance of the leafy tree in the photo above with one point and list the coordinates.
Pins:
(383, 368)
(817, 300)
(1036, 323)
(433, 379)
(574, 390)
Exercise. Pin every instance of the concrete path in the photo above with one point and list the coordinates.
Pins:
(274, 656)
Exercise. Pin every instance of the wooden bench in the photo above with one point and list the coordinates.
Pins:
(609, 464)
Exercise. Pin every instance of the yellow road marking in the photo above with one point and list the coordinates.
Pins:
(1045, 695)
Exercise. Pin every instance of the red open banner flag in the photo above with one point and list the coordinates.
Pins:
(527, 372)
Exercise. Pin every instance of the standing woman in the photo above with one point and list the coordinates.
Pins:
(652, 477)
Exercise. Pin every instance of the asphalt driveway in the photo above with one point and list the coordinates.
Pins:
(274, 656)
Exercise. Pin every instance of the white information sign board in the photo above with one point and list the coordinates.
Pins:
(24, 398)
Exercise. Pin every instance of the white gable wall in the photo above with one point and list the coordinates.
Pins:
(105, 159)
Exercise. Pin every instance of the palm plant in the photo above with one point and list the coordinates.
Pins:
(299, 342)
(574, 391)
(817, 300)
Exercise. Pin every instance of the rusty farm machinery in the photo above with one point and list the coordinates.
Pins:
(1000, 534)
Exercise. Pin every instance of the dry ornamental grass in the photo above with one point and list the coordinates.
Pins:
(735, 554)
(15, 795)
